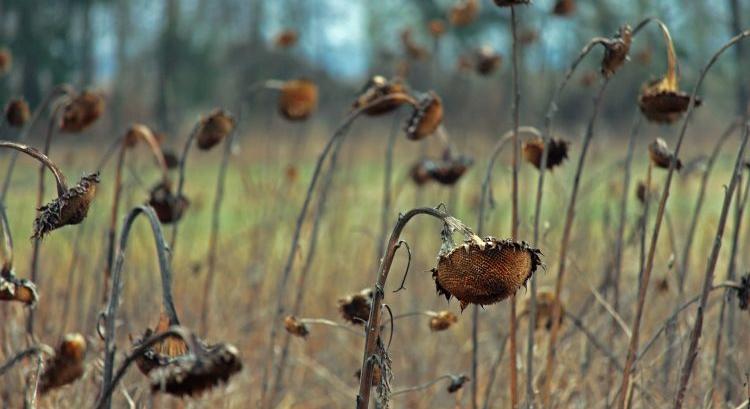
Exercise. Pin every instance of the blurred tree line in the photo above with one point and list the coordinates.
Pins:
(163, 60)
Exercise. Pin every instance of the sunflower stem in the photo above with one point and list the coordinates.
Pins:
(643, 290)
(114, 293)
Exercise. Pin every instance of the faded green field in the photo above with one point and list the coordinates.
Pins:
(257, 221)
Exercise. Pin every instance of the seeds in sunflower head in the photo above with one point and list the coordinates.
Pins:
(198, 371)
(82, 111)
(168, 207)
(743, 293)
(161, 353)
(660, 154)
(67, 366)
(285, 39)
(457, 382)
(377, 88)
(484, 272)
(545, 304)
(511, 3)
(534, 148)
(564, 7)
(298, 99)
(616, 51)
(6, 61)
(411, 48)
(70, 208)
(443, 320)
(355, 308)
(17, 112)
(436, 27)
(295, 327)
(17, 289)
(427, 116)
(487, 60)
(214, 128)
(463, 13)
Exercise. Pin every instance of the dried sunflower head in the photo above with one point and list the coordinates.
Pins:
(378, 87)
(660, 103)
(463, 13)
(17, 112)
(487, 60)
(82, 111)
(17, 289)
(510, 3)
(564, 7)
(485, 271)
(662, 285)
(70, 208)
(641, 192)
(616, 51)
(660, 154)
(168, 207)
(197, 372)
(135, 133)
(449, 170)
(743, 294)
(411, 48)
(298, 99)
(420, 173)
(545, 303)
(558, 152)
(661, 100)
(6, 61)
(295, 327)
(457, 382)
(285, 39)
(427, 116)
(214, 128)
(436, 27)
(171, 159)
(161, 353)
(67, 366)
(355, 308)
(443, 320)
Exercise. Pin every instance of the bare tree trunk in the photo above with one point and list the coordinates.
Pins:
(122, 19)
(739, 50)
(87, 45)
(167, 56)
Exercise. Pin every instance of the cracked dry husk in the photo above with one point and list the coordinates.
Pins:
(484, 272)
(426, 118)
(161, 353)
(68, 209)
(18, 289)
(67, 366)
(197, 372)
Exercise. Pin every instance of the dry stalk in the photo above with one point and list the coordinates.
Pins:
(633, 347)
